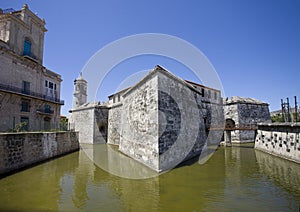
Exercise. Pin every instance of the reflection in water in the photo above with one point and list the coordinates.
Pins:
(80, 196)
(87, 188)
(37, 188)
(233, 179)
(284, 173)
(108, 158)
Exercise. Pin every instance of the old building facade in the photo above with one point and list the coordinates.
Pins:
(29, 92)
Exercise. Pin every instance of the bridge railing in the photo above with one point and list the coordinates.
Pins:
(247, 126)
(236, 127)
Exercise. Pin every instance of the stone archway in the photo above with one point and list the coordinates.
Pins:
(229, 125)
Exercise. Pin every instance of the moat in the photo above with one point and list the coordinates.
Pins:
(239, 178)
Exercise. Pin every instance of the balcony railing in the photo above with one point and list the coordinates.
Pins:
(45, 111)
(17, 90)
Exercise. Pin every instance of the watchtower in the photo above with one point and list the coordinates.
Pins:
(80, 92)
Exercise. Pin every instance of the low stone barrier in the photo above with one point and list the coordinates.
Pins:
(282, 140)
(18, 150)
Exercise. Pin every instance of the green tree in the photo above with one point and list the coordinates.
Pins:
(63, 125)
(279, 118)
(21, 127)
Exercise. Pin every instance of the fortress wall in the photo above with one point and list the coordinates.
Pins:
(114, 125)
(139, 123)
(252, 114)
(83, 121)
(281, 140)
(181, 122)
(245, 111)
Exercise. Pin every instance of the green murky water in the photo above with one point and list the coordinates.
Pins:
(234, 179)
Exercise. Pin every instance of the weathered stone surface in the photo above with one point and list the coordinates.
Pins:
(80, 92)
(139, 123)
(282, 140)
(24, 149)
(114, 125)
(90, 120)
(184, 133)
(243, 112)
(161, 121)
(244, 100)
(165, 120)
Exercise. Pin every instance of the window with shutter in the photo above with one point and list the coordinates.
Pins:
(27, 48)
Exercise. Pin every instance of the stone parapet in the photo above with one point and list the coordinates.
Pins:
(19, 150)
(281, 140)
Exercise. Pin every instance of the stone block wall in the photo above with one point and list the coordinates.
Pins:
(244, 112)
(231, 113)
(18, 150)
(181, 124)
(252, 114)
(114, 124)
(139, 125)
(82, 121)
(185, 119)
(164, 121)
(282, 140)
(90, 120)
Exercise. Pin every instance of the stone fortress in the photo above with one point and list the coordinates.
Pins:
(164, 120)
(242, 115)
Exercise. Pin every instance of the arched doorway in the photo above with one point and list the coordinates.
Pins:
(229, 126)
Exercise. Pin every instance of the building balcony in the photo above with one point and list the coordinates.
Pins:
(20, 91)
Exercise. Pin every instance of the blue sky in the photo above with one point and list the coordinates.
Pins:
(253, 45)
